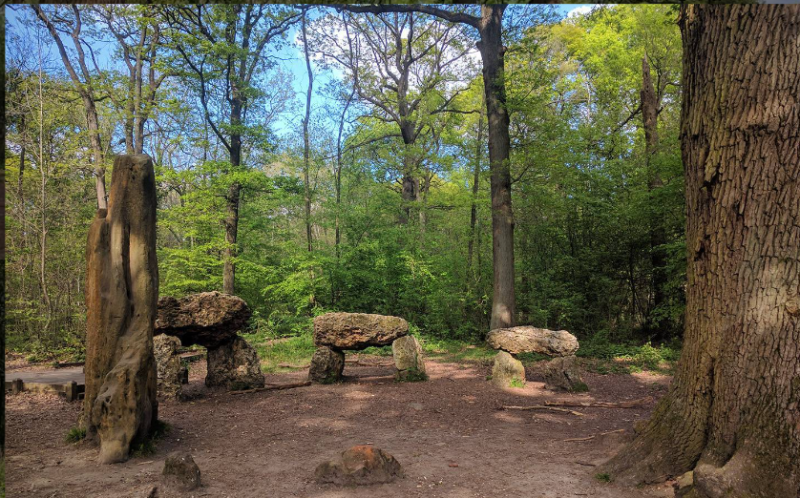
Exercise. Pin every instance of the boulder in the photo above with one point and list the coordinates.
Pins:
(326, 366)
(357, 330)
(181, 471)
(527, 339)
(408, 362)
(169, 370)
(234, 365)
(360, 465)
(208, 319)
(562, 374)
(507, 371)
(120, 405)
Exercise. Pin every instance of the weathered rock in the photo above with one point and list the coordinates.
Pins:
(360, 465)
(181, 471)
(408, 362)
(209, 319)
(120, 405)
(169, 369)
(507, 371)
(357, 330)
(326, 366)
(527, 339)
(234, 365)
(562, 374)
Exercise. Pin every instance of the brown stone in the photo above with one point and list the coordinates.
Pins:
(357, 330)
(360, 465)
(234, 365)
(507, 371)
(120, 405)
(208, 319)
(527, 339)
(169, 369)
(563, 374)
(408, 362)
(181, 471)
(326, 366)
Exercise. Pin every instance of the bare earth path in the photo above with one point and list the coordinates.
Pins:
(447, 433)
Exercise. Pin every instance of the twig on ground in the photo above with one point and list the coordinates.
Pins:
(541, 407)
(602, 404)
(575, 439)
(271, 388)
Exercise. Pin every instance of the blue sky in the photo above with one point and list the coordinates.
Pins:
(294, 63)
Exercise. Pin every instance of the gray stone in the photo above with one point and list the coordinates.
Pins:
(527, 339)
(360, 465)
(181, 471)
(168, 365)
(326, 366)
(507, 371)
(408, 362)
(234, 365)
(563, 374)
(357, 330)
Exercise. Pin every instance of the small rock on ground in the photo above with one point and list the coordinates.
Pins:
(360, 465)
(181, 471)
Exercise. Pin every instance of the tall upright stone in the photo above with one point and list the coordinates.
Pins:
(120, 405)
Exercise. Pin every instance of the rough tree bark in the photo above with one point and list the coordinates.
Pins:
(120, 404)
(731, 413)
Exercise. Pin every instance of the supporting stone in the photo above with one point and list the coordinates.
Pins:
(168, 365)
(507, 371)
(326, 366)
(562, 374)
(120, 404)
(234, 365)
(408, 362)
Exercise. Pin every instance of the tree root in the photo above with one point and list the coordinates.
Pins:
(271, 388)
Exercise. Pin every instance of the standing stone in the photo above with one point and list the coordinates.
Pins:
(120, 405)
(169, 369)
(527, 339)
(507, 371)
(234, 365)
(408, 362)
(562, 374)
(327, 366)
(357, 330)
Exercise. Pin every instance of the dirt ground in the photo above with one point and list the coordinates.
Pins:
(448, 434)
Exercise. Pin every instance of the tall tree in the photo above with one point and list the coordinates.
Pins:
(490, 29)
(58, 23)
(222, 48)
(731, 412)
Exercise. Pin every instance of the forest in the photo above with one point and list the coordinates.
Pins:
(312, 160)
(472, 250)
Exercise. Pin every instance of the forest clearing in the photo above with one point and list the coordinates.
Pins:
(402, 250)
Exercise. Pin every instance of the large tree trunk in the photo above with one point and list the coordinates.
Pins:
(732, 411)
(658, 260)
(476, 176)
(120, 403)
(493, 55)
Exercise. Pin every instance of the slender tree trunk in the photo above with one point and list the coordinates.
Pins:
(339, 171)
(306, 141)
(658, 258)
(476, 176)
(731, 413)
(493, 55)
(232, 205)
(409, 194)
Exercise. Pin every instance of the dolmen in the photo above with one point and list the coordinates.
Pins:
(335, 333)
(561, 373)
(211, 320)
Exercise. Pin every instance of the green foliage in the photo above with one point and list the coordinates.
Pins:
(518, 383)
(603, 477)
(75, 435)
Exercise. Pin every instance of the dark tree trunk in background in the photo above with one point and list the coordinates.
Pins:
(232, 201)
(731, 413)
(493, 55)
(476, 176)
(658, 259)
